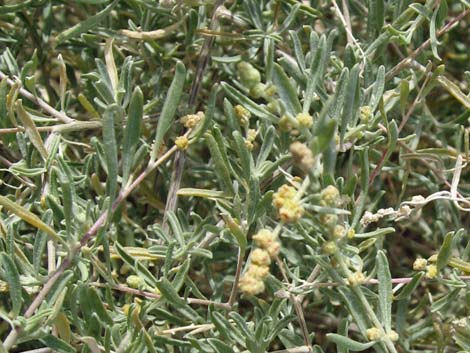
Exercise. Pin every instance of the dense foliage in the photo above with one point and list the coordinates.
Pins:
(234, 176)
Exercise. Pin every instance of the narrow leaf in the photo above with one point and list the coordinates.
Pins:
(28, 217)
(169, 107)
(31, 129)
(84, 26)
(286, 91)
(247, 103)
(445, 252)
(410, 286)
(385, 290)
(110, 151)
(14, 285)
(132, 132)
(348, 342)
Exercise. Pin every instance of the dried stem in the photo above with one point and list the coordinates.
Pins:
(233, 294)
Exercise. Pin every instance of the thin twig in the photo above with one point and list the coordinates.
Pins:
(410, 111)
(349, 33)
(410, 58)
(233, 293)
(180, 157)
(41, 103)
(146, 294)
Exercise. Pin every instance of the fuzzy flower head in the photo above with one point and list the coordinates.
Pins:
(134, 281)
(356, 279)
(258, 272)
(366, 113)
(291, 211)
(339, 232)
(250, 285)
(431, 271)
(242, 114)
(260, 257)
(284, 193)
(302, 155)
(330, 195)
(191, 120)
(286, 124)
(420, 264)
(373, 334)
(258, 90)
(264, 238)
(182, 143)
(304, 120)
(393, 335)
(251, 135)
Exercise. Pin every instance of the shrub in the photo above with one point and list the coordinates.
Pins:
(240, 176)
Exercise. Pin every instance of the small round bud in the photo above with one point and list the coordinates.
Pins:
(420, 264)
(393, 335)
(249, 75)
(285, 192)
(373, 334)
(328, 220)
(431, 271)
(304, 120)
(329, 248)
(258, 90)
(260, 257)
(182, 143)
(356, 279)
(249, 145)
(274, 107)
(250, 285)
(286, 124)
(264, 238)
(134, 281)
(258, 272)
(270, 91)
(302, 155)
(330, 195)
(274, 249)
(366, 113)
(191, 120)
(339, 232)
(351, 233)
(291, 211)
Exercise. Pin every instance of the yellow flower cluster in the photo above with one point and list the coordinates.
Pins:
(421, 264)
(242, 114)
(290, 209)
(250, 138)
(191, 120)
(252, 281)
(268, 246)
(266, 240)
